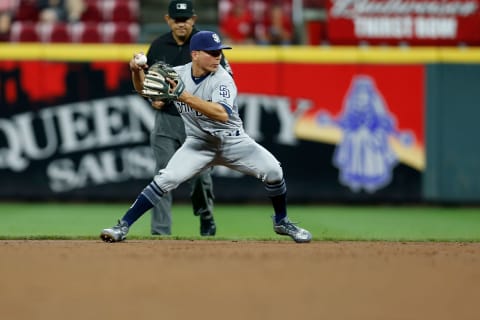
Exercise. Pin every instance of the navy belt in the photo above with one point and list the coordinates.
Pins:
(231, 133)
(235, 133)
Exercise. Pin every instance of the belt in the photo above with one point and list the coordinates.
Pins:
(227, 133)
(234, 133)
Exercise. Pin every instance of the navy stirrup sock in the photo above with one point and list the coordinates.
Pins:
(138, 208)
(279, 206)
(145, 201)
(277, 192)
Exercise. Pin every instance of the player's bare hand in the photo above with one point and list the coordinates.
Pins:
(158, 104)
(138, 62)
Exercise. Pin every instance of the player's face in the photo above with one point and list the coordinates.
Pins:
(181, 27)
(207, 61)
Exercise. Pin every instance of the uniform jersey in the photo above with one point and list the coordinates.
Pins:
(216, 87)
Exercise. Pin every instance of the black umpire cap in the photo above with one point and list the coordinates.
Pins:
(180, 9)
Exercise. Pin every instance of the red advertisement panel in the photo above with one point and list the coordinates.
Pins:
(372, 114)
(79, 131)
(416, 22)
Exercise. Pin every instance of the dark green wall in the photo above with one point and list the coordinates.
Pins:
(453, 133)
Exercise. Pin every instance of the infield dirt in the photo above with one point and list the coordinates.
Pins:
(172, 279)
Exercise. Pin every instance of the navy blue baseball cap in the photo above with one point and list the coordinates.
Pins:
(206, 41)
(181, 9)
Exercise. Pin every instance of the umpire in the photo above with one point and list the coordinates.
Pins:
(169, 133)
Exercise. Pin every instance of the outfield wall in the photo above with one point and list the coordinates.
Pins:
(348, 124)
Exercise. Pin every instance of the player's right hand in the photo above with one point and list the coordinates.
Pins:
(135, 67)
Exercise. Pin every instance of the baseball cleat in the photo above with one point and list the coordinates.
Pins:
(207, 227)
(116, 233)
(287, 228)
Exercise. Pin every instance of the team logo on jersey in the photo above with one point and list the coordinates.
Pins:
(224, 92)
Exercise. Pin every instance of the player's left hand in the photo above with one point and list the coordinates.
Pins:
(176, 87)
(157, 104)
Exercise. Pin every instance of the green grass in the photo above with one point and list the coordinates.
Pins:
(244, 222)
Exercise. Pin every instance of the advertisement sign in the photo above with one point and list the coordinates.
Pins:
(72, 131)
(77, 131)
(414, 22)
(366, 123)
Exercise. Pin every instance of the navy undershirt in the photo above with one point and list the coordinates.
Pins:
(197, 80)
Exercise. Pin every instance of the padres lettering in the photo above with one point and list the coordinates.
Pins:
(185, 108)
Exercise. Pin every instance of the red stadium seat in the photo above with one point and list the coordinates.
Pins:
(92, 34)
(120, 10)
(107, 9)
(86, 33)
(124, 12)
(92, 13)
(27, 11)
(60, 33)
(121, 32)
(23, 32)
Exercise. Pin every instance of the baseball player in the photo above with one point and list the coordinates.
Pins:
(168, 133)
(204, 94)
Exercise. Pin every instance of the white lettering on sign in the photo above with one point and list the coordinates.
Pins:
(407, 19)
(280, 106)
(80, 141)
(353, 8)
(435, 28)
(97, 168)
(405, 27)
(73, 128)
(383, 27)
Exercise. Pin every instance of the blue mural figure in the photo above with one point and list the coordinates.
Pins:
(364, 156)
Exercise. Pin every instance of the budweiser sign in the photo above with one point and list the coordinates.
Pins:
(350, 8)
(414, 21)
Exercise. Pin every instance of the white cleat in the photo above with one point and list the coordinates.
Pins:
(116, 233)
(287, 228)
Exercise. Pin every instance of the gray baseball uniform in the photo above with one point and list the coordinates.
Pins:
(210, 142)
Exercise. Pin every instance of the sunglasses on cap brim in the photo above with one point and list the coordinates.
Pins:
(213, 53)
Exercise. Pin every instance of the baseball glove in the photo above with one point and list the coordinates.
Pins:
(156, 86)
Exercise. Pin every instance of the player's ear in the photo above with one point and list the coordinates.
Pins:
(194, 18)
(166, 18)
